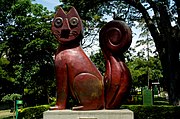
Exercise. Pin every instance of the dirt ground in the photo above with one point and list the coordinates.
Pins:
(5, 113)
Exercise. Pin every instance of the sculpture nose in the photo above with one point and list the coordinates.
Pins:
(65, 29)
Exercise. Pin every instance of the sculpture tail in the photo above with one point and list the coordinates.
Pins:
(115, 38)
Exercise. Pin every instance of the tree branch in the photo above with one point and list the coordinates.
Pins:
(178, 10)
(151, 26)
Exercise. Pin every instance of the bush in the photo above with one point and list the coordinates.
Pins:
(9, 100)
(33, 112)
(11, 97)
(154, 112)
(134, 100)
(140, 112)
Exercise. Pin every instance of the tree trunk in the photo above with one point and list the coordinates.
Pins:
(167, 43)
(173, 69)
(169, 55)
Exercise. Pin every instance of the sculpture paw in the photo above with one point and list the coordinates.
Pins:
(56, 108)
(78, 108)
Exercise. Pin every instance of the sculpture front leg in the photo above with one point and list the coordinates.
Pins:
(62, 85)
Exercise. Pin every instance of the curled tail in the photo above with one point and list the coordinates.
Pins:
(115, 38)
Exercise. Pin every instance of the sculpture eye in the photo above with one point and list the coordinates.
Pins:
(74, 21)
(58, 22)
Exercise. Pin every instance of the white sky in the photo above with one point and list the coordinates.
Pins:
(50, 4)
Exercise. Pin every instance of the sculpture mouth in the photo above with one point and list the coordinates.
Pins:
(65, 34)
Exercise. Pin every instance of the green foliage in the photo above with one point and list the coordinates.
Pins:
(136, 100)
(3, 72)
(10, 117)
(154, 112)
(33, 112)
(140, 112)
(11, 97)
(28, 46)
(141, 68)
(99, 61)
(7, 81)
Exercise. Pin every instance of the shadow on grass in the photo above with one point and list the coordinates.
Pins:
(9, 117)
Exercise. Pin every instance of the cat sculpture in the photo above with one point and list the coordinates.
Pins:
(78, 77)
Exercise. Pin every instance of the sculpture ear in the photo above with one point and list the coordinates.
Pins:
(60, 13)
(72, 12)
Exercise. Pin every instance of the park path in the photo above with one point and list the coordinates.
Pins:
(5, 113)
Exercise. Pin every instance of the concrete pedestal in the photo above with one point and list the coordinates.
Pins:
(93, 114)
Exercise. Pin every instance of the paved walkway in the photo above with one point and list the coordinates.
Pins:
(5, 113)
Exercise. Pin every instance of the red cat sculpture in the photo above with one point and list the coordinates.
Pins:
(76, 75)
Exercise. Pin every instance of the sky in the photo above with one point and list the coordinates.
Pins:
(50, 4)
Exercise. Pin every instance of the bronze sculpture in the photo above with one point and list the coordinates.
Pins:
(78, 76)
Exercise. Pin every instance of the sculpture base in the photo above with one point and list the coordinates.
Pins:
(93, 114)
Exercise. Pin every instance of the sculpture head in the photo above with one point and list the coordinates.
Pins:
(67, 27)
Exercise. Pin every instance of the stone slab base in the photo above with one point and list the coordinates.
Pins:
(93, 114)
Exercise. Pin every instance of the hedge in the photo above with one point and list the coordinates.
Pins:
(140, 112)
(33, 112)
(154, 112)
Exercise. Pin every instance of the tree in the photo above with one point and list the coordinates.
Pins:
(7, 82)
(142, 68)
(166, 39)
(158, 16)
(27, 43)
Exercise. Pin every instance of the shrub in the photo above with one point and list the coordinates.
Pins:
(33, 112)
(154, 112)
(9, 99)
(140, 112)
